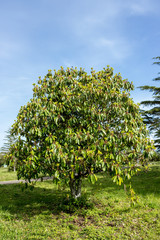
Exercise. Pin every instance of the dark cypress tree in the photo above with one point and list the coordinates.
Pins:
(152, 116)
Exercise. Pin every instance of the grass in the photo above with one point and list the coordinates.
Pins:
(6, 176)
(45, 212)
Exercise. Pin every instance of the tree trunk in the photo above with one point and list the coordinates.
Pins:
(14, 167)
(75, 187)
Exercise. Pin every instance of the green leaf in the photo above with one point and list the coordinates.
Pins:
(93, 178)
(56, 174)
(72, 175)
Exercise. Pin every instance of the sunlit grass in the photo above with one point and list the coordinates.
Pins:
(6, 176)
(45, 212)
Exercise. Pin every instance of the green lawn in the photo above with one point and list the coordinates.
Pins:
(45, 213)
(6, 176)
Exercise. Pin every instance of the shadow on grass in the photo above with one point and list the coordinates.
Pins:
(45, 199)
(41, 200)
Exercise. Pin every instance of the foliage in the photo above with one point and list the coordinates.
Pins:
(155, 157)
(9, 140)
(2, 159)
(151, 116)
(77, 125)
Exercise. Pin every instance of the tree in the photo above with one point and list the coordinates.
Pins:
(77, 125)
(9, 140)
(151, 116)
(2, 160)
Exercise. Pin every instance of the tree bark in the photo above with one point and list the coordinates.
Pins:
(75, 187)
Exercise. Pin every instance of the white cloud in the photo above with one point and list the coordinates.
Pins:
(142, 7)
(117, 48)
(99, 29)
(108, 15)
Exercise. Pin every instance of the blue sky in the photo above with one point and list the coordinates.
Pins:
(37, 35)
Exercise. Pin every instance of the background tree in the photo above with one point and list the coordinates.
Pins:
(77, 125)
(152, 116)
(9, 140)
(2, 159)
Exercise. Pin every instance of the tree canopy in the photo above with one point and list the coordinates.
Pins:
(152, 115)
(77, 125)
